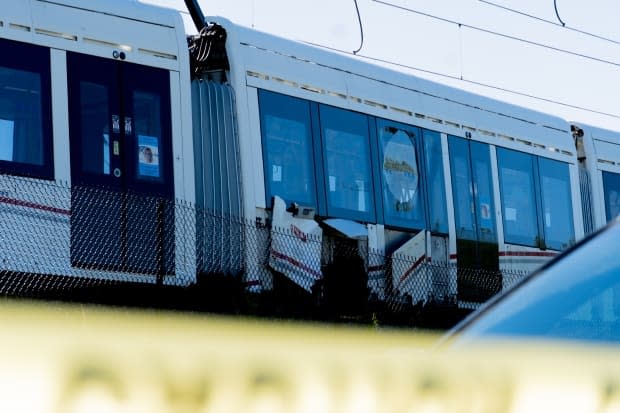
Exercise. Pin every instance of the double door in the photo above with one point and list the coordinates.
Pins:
(121, 166)
(478, 275)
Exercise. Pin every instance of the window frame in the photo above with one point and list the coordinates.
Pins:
(36, 59)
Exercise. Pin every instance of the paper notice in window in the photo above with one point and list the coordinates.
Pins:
(148, 156)
(332, 183)
(276, 173)
(485, 211)
(510, 214)
(548, 219)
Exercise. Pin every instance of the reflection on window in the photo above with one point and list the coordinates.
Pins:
(347, 163)
(401, 179)
(287, 148)
(556, 204)
(106, 153)
(516, 178)
(611, 188)
(6, 139)
(438, 214)
(25, 123)
(95, 129)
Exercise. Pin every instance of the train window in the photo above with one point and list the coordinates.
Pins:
(462, 188)
(483, 192)
(400, 176)
(346, 158)
(25, 110)
(611, 188)
(147, 113)
(536, 200)
(437, 212)
(556, 204)
(287, 148)
(516, 179)
(95, 128)
(472, 190)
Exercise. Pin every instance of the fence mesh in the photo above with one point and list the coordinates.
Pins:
(100, 246)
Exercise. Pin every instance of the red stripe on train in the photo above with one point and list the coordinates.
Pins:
(408, 273)
(520, 254)
(296, 263)
(27, 204)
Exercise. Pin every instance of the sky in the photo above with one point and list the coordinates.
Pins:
(559, 57)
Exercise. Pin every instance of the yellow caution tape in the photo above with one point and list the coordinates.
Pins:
(79, 359)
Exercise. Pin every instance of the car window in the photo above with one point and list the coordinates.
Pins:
(575, 297)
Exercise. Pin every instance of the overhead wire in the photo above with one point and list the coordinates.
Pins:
(488, 31)
(557, 14)
(359, 20)
(534, 17)
(533, 43)
(564, 104)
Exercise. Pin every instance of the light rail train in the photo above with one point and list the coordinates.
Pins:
(119, 128)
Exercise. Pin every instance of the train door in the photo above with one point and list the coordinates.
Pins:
(477, 249)
(121, 166)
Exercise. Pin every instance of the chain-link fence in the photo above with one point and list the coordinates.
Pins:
(102, 246)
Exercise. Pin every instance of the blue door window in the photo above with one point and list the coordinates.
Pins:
(436, 188)
(462, 188)
(484, 210)
(472, 190)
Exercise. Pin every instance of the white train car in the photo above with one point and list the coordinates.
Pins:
(87, 91)
(432, 173)
(249, 126)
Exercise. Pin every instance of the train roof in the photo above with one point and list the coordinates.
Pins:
(331, 73)
(148, 34)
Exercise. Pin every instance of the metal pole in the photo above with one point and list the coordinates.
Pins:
(197, 16)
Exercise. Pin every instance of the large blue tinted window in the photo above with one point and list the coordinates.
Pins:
(556, 203)
(25, 110)
(536, 200)
(462, 188)
(437, 211)
(611, 188)
(346, 159)
(516, 179)
(287, 148)
(400, 176)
